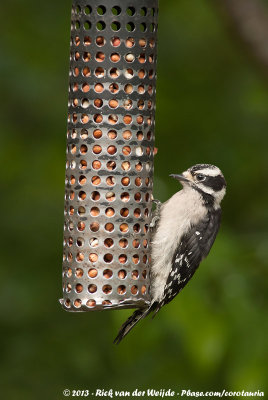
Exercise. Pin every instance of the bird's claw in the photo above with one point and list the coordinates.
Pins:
(154, 221)
(156, 213)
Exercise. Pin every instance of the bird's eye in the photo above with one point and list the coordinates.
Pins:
(200, 177)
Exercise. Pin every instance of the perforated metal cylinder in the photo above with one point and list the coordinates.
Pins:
(109, 169)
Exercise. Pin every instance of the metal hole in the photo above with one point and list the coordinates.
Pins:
(88, 10)
(101, 10)
(115, 26)
(92, 288)
(92, 273)
(121, 289)
(122, 274)
(135, 274)
(100, 41)
(130, 26)
(107, 289)
(91, 303)
(108, 242)
(116, 10)
(115, 41)
(123, 243)
(100, 25)
(96, 164)
(107, 273)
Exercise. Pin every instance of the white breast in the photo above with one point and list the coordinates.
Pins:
(178, 214)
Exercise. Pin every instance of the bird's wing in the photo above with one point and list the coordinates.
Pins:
(193, 248)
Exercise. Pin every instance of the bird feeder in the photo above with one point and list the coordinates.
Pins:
(110, 146)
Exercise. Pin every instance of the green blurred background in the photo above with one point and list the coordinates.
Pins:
(212, 104)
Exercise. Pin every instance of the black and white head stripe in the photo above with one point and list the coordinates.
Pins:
(203, 167)
(208, 180)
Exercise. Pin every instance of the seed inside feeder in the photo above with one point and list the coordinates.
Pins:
(122, 258)
(110, 181)
(109, 212)
(92, 288)
(127, 135)
(135, 274)
(84, 134)
(134, 289)
(96, 180)
(125, 165)
(77, 303)
(141, 73)
(83, 164)
(110, 196)
(122, 274)
(79, 288)
(109, 227)
(113, 103)
(114, 88)
(91, 303)
(116, 41)
(127, 119)
(111, 165)
(112, 119)
(97, 149)
(128, 88)
(79, 272)
(100, 41)
(106, 303)
(114, 73)
(130, 42)
(115, 57)
(127, 104)
(142, 42)
(93, 257)
(100, 56)
(123, 243)
(97, 133)
(108, 242)
(112, 134)
(94, 227)
(121, 289)
(126, 150)
(86, 72)
(111, 150)
(93, 242)
(99, 88)
(98, 103)
(87, 41)
(94, 212)
(124, 197)
(107, 289)
(107, 273)
(108, 258)
(123, 228)
(99, 72)
(129, 73)
(125, 181)
(96, 164)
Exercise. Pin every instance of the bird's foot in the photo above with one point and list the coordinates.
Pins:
(156, 213)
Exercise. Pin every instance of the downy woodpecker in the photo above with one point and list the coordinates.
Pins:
(184, 229)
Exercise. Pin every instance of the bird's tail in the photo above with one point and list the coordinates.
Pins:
(131, 322)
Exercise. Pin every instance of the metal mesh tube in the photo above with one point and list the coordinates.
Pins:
(110, 142)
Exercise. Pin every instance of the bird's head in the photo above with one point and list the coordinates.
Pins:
(207, 179)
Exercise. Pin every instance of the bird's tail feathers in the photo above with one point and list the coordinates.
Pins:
(131, 322)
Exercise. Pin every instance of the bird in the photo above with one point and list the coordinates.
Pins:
(184, 229)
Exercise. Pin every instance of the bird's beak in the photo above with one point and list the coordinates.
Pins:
(180, 178)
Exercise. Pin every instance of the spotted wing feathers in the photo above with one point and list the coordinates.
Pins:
(193, 248)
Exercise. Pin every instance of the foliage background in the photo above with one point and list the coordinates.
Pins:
(211, 107)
